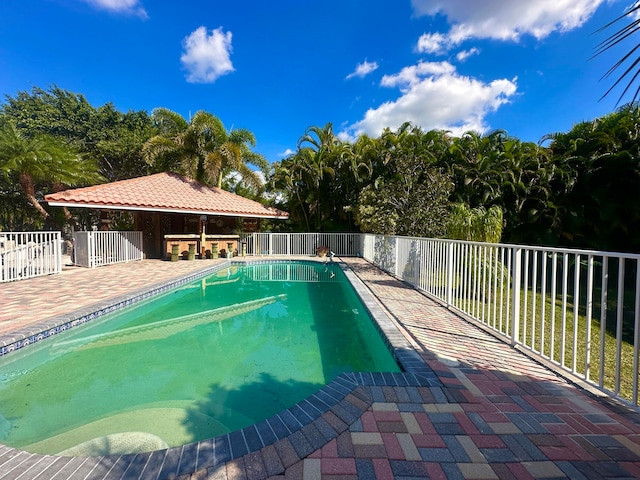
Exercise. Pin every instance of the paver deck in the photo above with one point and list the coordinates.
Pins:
(495, 413)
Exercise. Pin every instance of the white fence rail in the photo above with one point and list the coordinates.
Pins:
(29, 254)
(93, 249)
(341, 244)
(578, 309)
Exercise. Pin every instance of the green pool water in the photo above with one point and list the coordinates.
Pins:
(213, 356)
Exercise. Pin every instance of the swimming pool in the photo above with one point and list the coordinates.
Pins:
(93, 370)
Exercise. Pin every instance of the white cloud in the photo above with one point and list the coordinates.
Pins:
(501, 19)
(129, 7)
(435, 96)
(363, 69)
(464, 54)
(206, 57)
(410, 76)
(286, 153)
(433, 43)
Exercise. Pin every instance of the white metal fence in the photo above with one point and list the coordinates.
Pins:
(578, 309)
(93, 249)
(29, 254)
(341, 244)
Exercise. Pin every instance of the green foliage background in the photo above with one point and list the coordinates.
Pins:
(576, 189)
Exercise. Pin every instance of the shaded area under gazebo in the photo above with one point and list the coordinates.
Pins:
(172, 209)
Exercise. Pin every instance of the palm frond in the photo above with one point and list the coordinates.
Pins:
(616, 39)
(251, 178)
(156, 147)
(168, 121)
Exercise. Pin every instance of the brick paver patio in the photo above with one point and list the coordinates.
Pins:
(494, 412)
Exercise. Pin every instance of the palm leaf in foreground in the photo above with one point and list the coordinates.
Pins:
(632, 71)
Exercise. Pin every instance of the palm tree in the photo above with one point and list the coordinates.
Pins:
(321, 181)
(39, 160)
(202, 148)
(478, 167)
(320, 139)
(291, 177)
(633, 70)
(319, 150)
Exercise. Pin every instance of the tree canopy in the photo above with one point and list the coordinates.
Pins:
(573, 189)
(627, 67)
(576, 188)
(41, 161)
(53, 139)
(112, 139)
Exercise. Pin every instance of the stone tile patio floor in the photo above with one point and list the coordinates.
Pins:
(498, 414)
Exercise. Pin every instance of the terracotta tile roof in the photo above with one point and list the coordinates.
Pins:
(163, 192)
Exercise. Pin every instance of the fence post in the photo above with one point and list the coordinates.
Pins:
(57, 241)
(416, 264)
(395, 251)
(91, 250)
(449, 294)
(515, 295)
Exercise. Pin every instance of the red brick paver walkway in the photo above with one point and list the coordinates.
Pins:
(498, 414)
(505, 416)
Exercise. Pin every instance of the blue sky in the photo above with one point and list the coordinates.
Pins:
(279, 67)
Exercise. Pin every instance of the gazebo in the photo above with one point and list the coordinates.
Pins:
(170, 208)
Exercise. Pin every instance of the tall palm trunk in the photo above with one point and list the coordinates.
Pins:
(304, 212)
(26, 183)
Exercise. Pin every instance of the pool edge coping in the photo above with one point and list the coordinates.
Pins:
(316, 419)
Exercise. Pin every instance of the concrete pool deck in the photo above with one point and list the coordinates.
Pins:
(494, 412)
